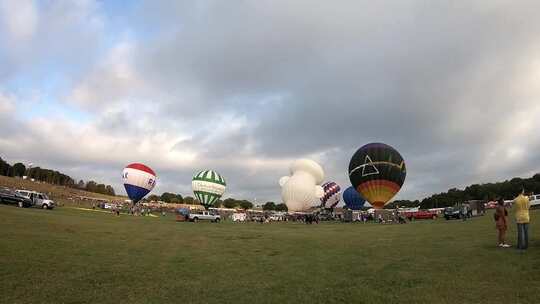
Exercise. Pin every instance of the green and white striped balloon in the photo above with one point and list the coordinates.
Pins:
(208, 186)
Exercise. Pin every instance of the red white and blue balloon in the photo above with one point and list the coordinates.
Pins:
(139, 180)
(331, 195)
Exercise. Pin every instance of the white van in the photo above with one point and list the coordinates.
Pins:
(40, 200)
(534, 200)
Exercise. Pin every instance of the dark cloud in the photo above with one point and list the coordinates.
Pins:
(431, 80)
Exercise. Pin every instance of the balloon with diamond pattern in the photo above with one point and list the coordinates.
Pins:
(331, 195)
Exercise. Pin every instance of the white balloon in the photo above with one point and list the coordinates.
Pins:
(302, 189)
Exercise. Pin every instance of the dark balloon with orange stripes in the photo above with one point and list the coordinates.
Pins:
(377, 171)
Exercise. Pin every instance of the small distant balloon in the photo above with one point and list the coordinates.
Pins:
(331, 195)
(138, 180)
(353, 200)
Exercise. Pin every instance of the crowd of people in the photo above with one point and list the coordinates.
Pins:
(130, 209)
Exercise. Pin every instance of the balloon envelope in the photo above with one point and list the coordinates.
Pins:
(377, 171)
(353, 200)
(331, 195)
(302, 189)
(138, 180)
(208, 186)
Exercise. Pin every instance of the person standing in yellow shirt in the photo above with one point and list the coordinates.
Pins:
(521, 212)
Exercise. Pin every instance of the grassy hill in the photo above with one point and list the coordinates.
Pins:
(60, 194)
(73, 256)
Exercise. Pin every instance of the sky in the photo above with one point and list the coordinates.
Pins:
(246, 87)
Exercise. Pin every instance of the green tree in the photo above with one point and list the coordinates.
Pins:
(167, 197)
(230, 203)
(19, 169)
(281, 207)
(269, 206)
(246, 204)
(7, 170)
(91, 186)
(154, 197)
(4, 167)
(110, 190)
(81, 184)
(100, 188)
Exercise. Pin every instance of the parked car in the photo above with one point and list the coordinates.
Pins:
(239, 217)
(452, 213)
(205, 215)
(534, 200)
(257, 218)
(9, 196)
(38, 199)
(421, 214)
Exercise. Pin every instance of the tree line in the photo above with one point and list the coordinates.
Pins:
(173, 198)
(271, 206)
(506, 190)
(52, 177)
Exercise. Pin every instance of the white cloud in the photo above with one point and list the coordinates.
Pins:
(7, 104)
(66, 34)
(19, 18)
(113, 80)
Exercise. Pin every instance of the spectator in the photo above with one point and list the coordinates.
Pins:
(501, 223)
(521, 213)
(463, 211)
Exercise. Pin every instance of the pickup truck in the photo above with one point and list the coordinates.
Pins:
(9, 196)
(205, 215)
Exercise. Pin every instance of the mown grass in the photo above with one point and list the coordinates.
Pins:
(73, 256)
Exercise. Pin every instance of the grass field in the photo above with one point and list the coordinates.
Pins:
(72, 256)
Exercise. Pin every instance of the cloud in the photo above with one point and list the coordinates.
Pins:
(39, 38)
(20, 19)
(7, 104)
(111, 81)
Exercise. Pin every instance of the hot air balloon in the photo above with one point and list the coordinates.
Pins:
(353, 200)
(331, 195)
(377, 171)
(208, 186)
(138, 180)
(300, 190)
